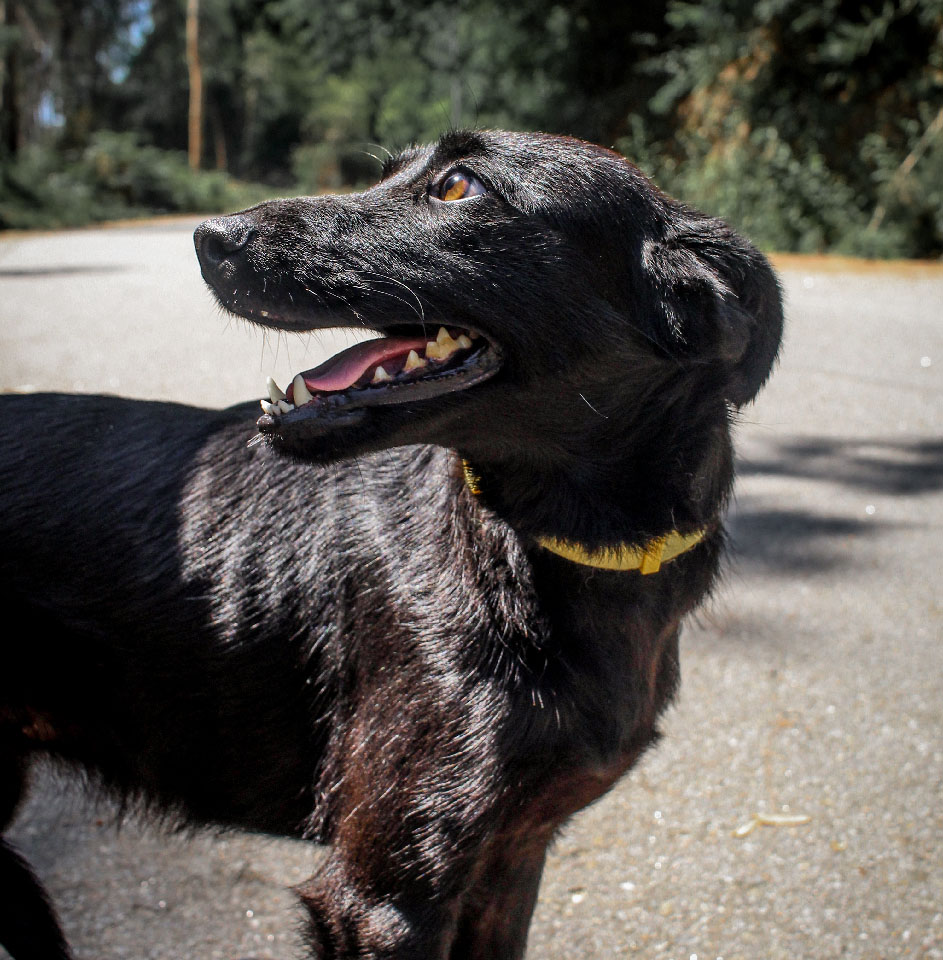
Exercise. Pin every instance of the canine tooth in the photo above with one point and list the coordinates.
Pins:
(413, 361)
(275, 392)
(442, 347)
(267, 407)
(301, 393)
(446, 345)
(380, 375)
(446, 341)
(284, 406)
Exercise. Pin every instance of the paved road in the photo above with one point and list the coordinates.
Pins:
(812, 683)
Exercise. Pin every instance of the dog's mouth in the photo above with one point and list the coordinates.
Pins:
(400, 367)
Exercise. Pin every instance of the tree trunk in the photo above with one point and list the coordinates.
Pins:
(9, 100)
(195, 136)
(219, 138)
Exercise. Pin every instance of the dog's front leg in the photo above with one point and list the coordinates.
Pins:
(495, 914)
(28, 926)
(354, 916)
(410, 798)
(482, 915)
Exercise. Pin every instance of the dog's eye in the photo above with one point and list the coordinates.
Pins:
(459, 186)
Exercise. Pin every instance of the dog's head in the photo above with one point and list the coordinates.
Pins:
(528, 289)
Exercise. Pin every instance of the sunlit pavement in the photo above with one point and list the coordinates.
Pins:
(812, 682)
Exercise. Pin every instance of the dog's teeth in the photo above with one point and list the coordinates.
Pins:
(274, 391)
(284, 406)
(268, 407)
(301, 393)
(413, 362)
(442, 347)
(445, 345)
(380, 375)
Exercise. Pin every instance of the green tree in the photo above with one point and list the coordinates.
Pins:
(811, 124)
(795, 119)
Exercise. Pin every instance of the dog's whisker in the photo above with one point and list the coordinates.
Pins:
(383, 278)
(591, 407)
(380, 146)
(406, 303)
(372, 156)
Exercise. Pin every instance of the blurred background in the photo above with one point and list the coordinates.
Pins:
(812, 680)
(812, 125)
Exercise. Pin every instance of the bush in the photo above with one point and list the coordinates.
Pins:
(809, 126)
(114, 177)
(781, 198)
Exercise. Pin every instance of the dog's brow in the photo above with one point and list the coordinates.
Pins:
(393, 165)
(451, 148)
(456, 145)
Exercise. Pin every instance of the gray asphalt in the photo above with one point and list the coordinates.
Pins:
(812, 682)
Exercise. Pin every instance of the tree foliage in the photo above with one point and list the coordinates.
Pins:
(811, 125)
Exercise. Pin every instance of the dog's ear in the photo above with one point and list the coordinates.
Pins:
(716, 298)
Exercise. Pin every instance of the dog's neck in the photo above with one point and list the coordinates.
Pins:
(646, 558)
(613, 512)
(641, 464)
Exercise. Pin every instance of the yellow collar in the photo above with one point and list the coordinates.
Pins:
(647, 559)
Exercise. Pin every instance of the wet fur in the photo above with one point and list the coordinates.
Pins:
(334, 639)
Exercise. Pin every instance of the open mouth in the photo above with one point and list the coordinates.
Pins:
(395, 368)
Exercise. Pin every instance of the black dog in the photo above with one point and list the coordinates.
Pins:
(448, 618)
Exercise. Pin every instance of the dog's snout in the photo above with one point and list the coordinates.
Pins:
(221, 238)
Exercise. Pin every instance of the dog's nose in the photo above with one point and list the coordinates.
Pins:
(219, 239)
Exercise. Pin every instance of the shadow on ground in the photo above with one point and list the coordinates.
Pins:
(797, 542)
(808, 541)
(68, 271)
(896, 467)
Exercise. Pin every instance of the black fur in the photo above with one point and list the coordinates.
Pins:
(344, 643)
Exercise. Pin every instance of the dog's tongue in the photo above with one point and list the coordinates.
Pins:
(347, 367)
